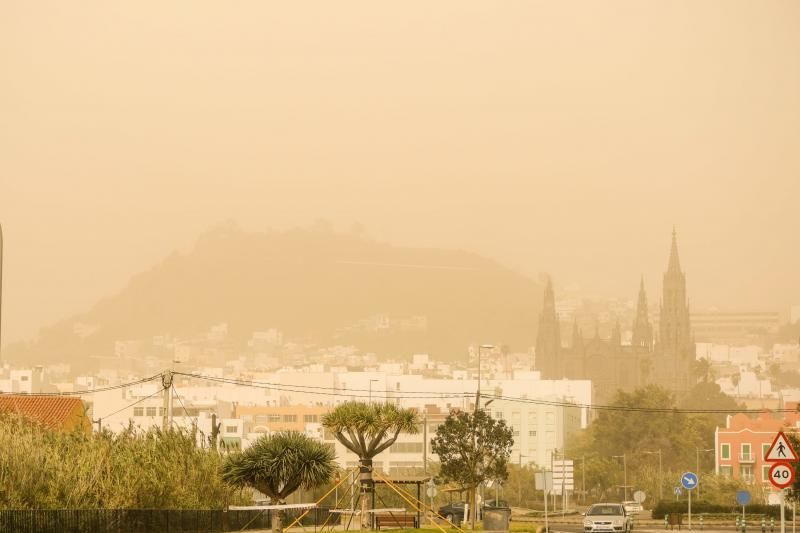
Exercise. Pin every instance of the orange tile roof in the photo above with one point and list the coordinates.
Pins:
(55, 412)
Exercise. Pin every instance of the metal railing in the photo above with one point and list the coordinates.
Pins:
(147, 520)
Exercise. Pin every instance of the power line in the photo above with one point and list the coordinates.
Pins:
(140, 400)
(85, 392)
(411, 395)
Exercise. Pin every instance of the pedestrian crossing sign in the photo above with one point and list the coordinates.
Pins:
(781, 449)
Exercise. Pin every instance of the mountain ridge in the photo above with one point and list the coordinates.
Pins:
(313, 285)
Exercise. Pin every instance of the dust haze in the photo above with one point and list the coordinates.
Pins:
(558, 137)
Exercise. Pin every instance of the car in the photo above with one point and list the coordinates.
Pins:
(453, 512)
(632, 507)
(607, 518)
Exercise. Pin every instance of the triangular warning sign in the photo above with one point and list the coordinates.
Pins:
(780, 450)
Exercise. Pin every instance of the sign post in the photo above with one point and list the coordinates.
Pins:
(781, 474)
(689, 481)
(743, 497)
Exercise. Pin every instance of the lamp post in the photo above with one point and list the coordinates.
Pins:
(624, 473)
(473, 513)
(478, 393)
(370, 388)
(660, 473)
(697, 462)
(519, 483)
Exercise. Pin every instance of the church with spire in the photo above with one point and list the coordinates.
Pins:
(664, 359)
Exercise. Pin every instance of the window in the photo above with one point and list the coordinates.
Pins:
(765, 473)
(309, 418)
(161, 411)
(151, 411)
(274, 418)
(261, 419)
(406, 447)
(746, 455)
(290, 418)
(138, 411)
(532, 433)
(23, 378)
(764, 450)
(231, 429)
(726, 471)
(747, 473)
(725, 451)
(498, 415)
(516, 433)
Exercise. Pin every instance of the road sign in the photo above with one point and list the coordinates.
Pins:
(563, 472)
(431, 492)
(689, 480)
(780, 450)
(743, 497)
(639, 496)
(781, 475)
(544, 481)
(677, 491)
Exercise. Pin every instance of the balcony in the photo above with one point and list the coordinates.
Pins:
(747, 458)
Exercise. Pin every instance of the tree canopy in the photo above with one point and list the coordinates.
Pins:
(472, 448)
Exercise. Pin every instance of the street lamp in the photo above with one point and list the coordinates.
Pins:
(697, 459)
(370, 388)
(660, 474)
(519, 483)
(478, 393)
(625, 473)
(473, 512)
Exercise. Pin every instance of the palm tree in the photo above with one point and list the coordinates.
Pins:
(367, 429)
(280, 464)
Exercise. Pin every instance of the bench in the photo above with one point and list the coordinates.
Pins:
(395, 520)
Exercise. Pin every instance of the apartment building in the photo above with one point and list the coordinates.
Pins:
(741, 445)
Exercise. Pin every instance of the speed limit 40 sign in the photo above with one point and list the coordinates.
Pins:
(781, 475)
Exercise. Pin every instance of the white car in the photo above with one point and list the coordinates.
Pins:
(607, 518)
(632, 507)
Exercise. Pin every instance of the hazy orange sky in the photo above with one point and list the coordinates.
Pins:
(564, 137)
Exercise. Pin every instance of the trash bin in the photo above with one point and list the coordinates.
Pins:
(496, 519)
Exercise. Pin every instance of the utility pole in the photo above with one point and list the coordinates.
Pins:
(166, 383)
(425, 442)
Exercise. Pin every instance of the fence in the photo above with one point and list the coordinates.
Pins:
(147, 520)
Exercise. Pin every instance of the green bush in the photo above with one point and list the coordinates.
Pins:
(703, 507)
(43, 469)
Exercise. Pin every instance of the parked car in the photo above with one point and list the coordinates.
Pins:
(632, 507)
(453, 511)
(607, 518)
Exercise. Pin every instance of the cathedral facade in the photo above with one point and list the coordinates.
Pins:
(664, 359)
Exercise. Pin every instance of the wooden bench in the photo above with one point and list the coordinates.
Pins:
(395, 520)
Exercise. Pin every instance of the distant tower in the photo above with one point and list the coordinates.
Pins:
(548, 338)
(616, 335)
(642, 329)
(577, 337)
(675, 339)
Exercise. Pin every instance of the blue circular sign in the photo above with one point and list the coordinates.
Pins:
(689, 480)
(743, 497)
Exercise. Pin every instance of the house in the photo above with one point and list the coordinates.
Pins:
(60, 413)
(741, 445)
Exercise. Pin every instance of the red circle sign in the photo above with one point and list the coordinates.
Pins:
(781, 475)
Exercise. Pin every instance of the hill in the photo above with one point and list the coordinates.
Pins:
(315, 286)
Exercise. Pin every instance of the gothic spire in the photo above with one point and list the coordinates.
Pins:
(548, 338)
(642, 330)
(674, 260)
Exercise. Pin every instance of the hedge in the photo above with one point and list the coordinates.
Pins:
(698, 507)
